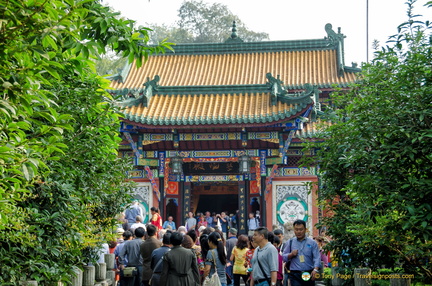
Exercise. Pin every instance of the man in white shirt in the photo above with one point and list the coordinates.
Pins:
(252, 223)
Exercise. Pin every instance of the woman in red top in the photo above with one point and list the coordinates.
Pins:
(202, 221)
(156, 219)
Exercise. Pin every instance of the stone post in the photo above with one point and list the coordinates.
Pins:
(397, 280)
(89, 275)
(111, 277)
(77, 277)
(362, 277)
(101, 270)
(336, 281)
(109, 260)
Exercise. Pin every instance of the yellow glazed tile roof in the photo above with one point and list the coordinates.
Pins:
(237, 109)
(296, 68)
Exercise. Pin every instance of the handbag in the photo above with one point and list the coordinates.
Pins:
(214, 279)
(129, 272)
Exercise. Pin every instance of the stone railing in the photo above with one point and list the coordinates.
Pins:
(102, 274)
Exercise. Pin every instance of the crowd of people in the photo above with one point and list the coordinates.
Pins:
(161, 254)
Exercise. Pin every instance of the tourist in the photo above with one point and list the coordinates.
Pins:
(138, 223)
(191, 222)
(170, 223)
(216, 258)
(209, 219)
(179, 265)
(131, 251)
(156, 259)
(223, 220)
(132, 212)
(202, 222)
(252, 224)
(146, 250)
(238, 256)
(277, 243)
(265, 260)
(229, 246)
(156, 219)
(303, 255)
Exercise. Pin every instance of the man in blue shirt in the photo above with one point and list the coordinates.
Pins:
(302, 254)
(170, 223)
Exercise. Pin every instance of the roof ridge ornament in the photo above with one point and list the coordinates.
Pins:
(337, 39)
(142, 96)
(234, 37)
(279, 93)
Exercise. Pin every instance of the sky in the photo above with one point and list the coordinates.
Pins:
(296, 19)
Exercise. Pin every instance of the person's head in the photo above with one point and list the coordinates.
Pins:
(139, 232)
(190, 214)
(176, 238)
(232, 232)
(127, 235)
(276, 241)
(120, 231)
(251, 244)
(192, 234)
(187, 242)
(207, 230)
(278, 232)
(242, 241)
(270, 237)
(204, 244)
(251, 215)
(166, 239)
(260, 236)
(151, 230)
(300, 229)
(182, 229)
(170, 218)
(220, 234)
(207, 214)
(201, 229)
(223, 214)
(215, 241)
(202, 217)
(138, 219)
(161, 233)
(319, 240)
(154, 210)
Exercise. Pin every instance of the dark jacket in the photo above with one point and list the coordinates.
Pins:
(146, 250)
(180, 268)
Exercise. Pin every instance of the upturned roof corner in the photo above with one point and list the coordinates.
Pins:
(337, 40)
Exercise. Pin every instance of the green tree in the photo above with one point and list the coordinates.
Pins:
(61, 181)
(201, 22)
(375, 160)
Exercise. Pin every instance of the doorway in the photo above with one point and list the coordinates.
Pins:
(215, 197)
(218, 203)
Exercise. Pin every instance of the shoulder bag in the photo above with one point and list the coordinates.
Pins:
(262, 270)
(287, 264)
(214, 279)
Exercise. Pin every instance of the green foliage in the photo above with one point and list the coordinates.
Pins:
(61, 181)
(201, 22)
(376, 159)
